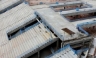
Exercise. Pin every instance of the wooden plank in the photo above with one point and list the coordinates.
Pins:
(68, 31)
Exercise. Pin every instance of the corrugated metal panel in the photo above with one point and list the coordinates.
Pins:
(20, 15)
(7, 4)
(13, 10)
(65, 52)
(26, 42)
(31, 39)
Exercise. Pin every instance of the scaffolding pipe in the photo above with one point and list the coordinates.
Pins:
(82, 30)
(57, 44)
(38, 54)
(61, 44)
(79, 26)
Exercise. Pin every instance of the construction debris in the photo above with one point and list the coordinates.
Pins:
(28, 28)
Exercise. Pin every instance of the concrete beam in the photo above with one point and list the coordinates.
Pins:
(67, 4)
(80, 11)
(79, 41)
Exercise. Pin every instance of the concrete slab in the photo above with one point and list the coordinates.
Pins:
(56, 23)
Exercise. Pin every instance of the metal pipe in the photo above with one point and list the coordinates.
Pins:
(38, 54)
(79, 26)
(61, 44)
(82, 30)
(57, 44)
